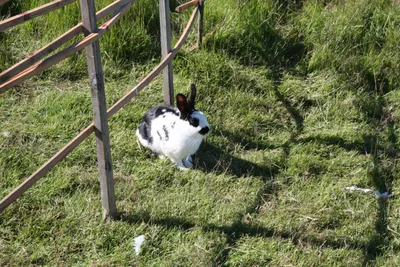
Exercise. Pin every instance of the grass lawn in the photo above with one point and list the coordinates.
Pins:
(303, 99)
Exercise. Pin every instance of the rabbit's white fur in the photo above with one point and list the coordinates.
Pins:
(183, 140)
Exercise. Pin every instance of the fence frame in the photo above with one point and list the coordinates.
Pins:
(28, 67)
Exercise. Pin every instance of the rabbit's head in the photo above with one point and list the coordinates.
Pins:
(196, 118)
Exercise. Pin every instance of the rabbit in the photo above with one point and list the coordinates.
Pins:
(175, 133)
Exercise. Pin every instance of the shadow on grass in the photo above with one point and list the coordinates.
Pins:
(239, 229)
(380, 175)
(218, 161)
(246, 139)
(382, 179)
(363, 147)
(295, 114)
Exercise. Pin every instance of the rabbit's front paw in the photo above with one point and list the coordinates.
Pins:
(188, 163)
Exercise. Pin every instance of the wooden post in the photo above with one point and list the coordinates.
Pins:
(165, 28)
(200, 24)
(96, 81)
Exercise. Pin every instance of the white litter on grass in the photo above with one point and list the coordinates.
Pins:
(383, 196)
(6, 133)
(138, 241)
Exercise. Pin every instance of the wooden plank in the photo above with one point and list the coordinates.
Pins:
(200, 24)
(165, 29)
(39, 54)
(31, 180)
(49, 48)
(33, 13)
(64, 53)
(187, 5)
(96, 80)
(111, 8)
(18, 191)
(2, 2)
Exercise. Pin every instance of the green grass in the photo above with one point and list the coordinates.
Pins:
(303, 98)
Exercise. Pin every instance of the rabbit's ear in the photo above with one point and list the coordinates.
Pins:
(192, 96)
(182, 104)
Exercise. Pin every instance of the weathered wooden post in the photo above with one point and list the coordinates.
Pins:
(165, 28)
(200, 24)
(96, 81)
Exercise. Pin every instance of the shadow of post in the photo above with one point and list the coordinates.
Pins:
(380, 239)
(382, 177)
(295, 114)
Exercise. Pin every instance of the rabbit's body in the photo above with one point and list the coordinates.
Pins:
(172, 132)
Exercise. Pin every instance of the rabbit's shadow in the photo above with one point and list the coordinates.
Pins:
(212, 159)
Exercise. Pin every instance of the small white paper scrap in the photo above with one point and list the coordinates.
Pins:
(383, 196)
(138, 241)
(6, 133)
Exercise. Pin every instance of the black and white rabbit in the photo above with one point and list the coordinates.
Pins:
(174, 132)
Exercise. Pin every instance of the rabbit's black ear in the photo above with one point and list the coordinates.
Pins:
(192, 96)
(182, 104)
